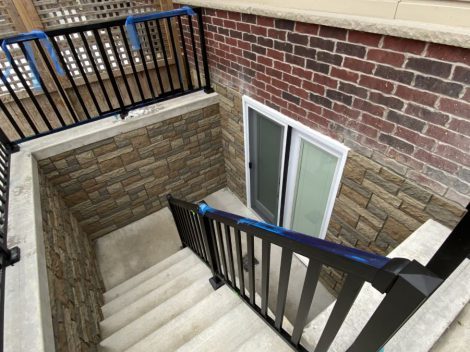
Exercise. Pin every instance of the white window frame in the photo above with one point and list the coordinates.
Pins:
(318, 139)
(330, 146)
(278, 118)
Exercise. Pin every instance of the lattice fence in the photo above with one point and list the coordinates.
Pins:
(78, 56)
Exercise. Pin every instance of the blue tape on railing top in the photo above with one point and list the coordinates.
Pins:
(27, 37)
(354, 254)
(132, 20)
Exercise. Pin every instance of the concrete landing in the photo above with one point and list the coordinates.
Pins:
(130, 250)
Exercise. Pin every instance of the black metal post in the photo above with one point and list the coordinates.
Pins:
(414, 285)
(207, 88)
(454, 250)
(216, 281)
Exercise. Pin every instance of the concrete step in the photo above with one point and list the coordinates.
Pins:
(265, 340)
(145, 275)
(190, 323)
(227, 333)
(151, 284)
(157, 317)
(429, 322)
(154, 298)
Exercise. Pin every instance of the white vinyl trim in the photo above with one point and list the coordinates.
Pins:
(318, 139)
(277, 117)
(325, 143)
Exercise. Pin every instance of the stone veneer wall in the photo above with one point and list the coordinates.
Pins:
(75, 285)
(116, 181)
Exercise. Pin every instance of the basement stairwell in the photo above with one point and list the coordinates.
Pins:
(172, 307)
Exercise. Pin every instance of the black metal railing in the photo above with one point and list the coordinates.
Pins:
(8, 256)
(454, 250)
(103, 75)
(220, 239)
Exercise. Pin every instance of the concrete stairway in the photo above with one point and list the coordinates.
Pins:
(172, 307)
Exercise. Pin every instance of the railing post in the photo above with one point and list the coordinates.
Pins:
(208, 237)
(412, 288)
(454, 250)
(178, 225)
(207, 88)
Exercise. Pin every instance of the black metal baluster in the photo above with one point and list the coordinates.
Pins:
(83, 73)
(346, 298)
(61, 90)
(228, 239)
(175, 54)
(45, 90)
(205, 62)
(265, 263)
(18, 103)
(251, 266)
(147, 73)
(286, 262)
(154, 57)
(185, 227)
(118, 60)
(31, 94)
(188, 230)
(199, 236)
(216, 250)
(96, 70)
(70, 78)
(211, 250)
(222, 249)
(185, 55)
(177, 220)
(108, 68)
(308, 292)
(165, 57)
(193, 45)
(194, 233)
(131, 61)
(238, 248)
(11, 119)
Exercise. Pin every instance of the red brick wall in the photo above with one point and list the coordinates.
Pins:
(401, 102)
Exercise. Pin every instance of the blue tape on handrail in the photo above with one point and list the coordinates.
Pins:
(133, 19)
(354, 254)
(27, 37)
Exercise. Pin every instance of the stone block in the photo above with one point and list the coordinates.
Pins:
(416, 192)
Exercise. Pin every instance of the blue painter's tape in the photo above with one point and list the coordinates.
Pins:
(29, 55)
(357, 255)
(133, 19)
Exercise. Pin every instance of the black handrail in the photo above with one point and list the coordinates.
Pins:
(216, 237)
(92, 53)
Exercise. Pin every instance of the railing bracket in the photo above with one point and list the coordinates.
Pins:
(216, 283)
(12, 256)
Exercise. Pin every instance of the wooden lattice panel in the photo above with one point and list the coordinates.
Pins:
(7, 26)
(59, 13)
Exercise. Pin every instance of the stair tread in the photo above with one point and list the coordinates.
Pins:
(227, 333)
(153, 299)
(265, 341)
(145, 275)
(157, 317)
(149, 285)
(187, 325)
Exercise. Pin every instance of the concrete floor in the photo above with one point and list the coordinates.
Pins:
(132, 249)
